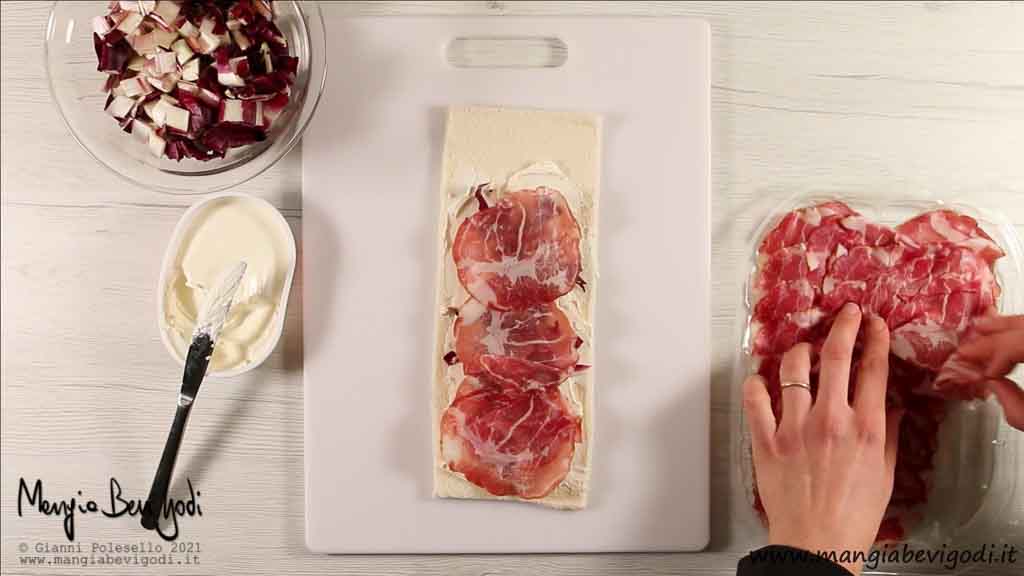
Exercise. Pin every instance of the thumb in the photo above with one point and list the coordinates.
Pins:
(892, 437)
(1011, 397)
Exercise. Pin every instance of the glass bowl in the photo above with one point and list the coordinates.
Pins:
(77, 89)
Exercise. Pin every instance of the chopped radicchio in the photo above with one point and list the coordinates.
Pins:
(224, 136)
(478, 193)
(199, 116)
(194, 78)
(112, 51)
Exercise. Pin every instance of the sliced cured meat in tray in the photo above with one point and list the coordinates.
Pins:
(927, 267)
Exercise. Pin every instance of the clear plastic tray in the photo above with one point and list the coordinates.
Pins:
(974, 496)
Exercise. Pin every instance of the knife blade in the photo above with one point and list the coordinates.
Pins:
(212, 315)
(217, 304)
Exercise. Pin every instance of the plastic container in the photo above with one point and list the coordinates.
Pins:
(975, 497)
(168, 271)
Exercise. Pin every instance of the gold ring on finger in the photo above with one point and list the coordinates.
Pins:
(796, 384)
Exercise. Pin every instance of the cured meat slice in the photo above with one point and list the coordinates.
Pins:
(945, 268)
(927, 278)
(788, 265)
(949, 226)
(784, 316)
(934, 333)
(960, 380)
(531, 347)
(945, 288)
(853, 276)
(872, 234)
(786, 289)
(797, 225)
(509, 442)
(523, 251)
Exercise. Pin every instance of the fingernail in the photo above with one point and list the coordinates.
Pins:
(878, 323)
(851, 309)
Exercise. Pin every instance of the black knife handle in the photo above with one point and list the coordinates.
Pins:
(196, 362)
(161, 482)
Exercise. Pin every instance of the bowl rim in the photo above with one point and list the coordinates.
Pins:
(313, 17)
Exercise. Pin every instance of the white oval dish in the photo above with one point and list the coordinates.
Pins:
(169, 271)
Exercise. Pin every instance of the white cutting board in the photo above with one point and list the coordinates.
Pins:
(371, 165)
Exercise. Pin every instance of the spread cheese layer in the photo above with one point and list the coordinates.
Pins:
(515, 149)
(223, 232)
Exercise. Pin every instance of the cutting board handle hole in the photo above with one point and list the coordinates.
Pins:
(506, 52)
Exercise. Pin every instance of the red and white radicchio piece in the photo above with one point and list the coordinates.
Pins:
(224, 64)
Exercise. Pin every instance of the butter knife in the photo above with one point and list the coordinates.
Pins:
(209, 323)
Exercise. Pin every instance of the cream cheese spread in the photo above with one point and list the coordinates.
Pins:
(222, 232)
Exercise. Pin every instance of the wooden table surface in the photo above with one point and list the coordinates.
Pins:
(889, 98)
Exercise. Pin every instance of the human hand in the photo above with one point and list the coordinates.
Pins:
(825, 472)
(997, 347)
